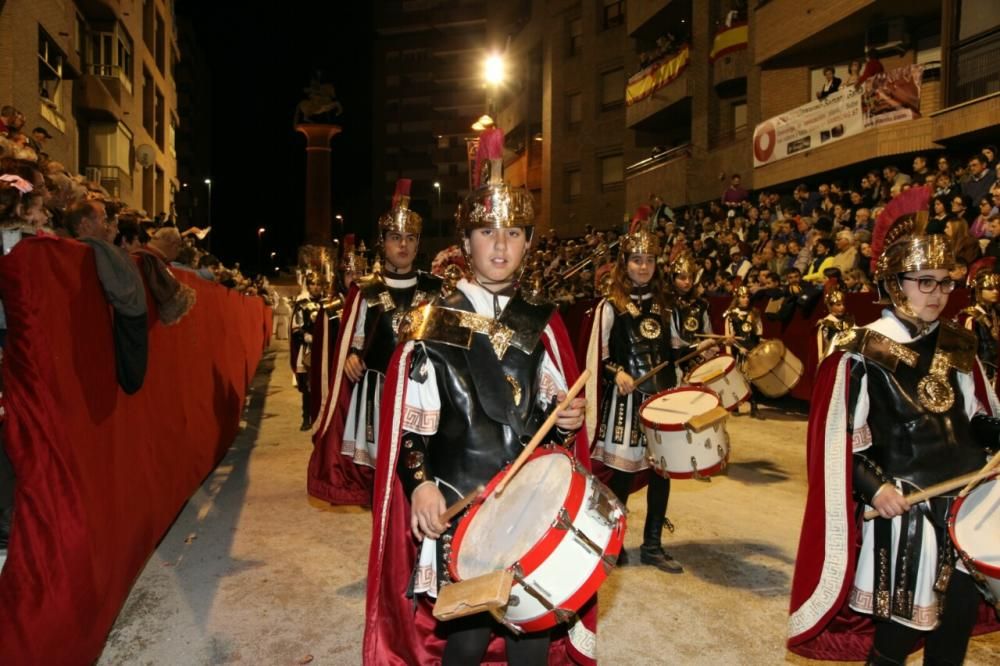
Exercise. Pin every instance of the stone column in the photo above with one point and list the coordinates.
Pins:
(318, 254)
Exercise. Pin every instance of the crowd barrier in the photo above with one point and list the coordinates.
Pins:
(798, 333)
(101, 475)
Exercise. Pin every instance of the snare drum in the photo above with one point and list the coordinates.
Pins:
(773, 369)
(722, 375)
(556, 528)
(974, 526)
(686, 432)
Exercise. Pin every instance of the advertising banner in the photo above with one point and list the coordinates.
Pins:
(884, 99)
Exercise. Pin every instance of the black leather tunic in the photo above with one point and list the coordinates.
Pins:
(382, 322)
(639, 342)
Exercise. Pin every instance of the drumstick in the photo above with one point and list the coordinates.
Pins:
(459, 506)
(938, 489)
(994, 461)
(542, 432)
(659, 367)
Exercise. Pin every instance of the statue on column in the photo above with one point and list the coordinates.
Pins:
(320, 104)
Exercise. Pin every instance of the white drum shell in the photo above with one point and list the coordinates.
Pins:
(976, 531)
(781, 379)
(671, 452)
(731, 386)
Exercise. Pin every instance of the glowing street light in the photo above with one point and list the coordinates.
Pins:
(494, 71)
(437, 186)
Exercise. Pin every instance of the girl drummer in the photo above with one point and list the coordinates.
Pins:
(629, 342)
(900, 404)
(744, 327)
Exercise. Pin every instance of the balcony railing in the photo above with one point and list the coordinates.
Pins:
(112, 72)
(111, 178)
(656, 160)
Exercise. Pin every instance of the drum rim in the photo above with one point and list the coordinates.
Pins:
(708, 471)
(574, 492)
(729, 368)
(553, 537)
(992, 569)
(759, 349)
(674, 427)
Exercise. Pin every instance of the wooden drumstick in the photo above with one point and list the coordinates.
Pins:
(459, 506)
(659, 367)
(994, 461)
(938, 489)
(542, 432)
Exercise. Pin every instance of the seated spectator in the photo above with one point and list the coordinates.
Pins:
(990, 153)
(831, 83)
(846, 257)
(981, 178)
(820, 262)
(978, 228)
(960, 207)
(920, 168)
(963, 244)
(855, 281)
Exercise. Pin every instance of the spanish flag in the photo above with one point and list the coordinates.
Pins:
(728, 40)
(654, 77)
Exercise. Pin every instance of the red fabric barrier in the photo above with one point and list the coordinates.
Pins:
(101, 475)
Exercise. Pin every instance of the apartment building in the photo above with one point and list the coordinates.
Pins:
(98, 75)
(427, 93)
(702, 122)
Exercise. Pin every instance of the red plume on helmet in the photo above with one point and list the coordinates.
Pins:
(402, 190)
(640, 218)
(896, 219)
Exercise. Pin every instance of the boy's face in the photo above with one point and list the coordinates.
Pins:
(496, 254)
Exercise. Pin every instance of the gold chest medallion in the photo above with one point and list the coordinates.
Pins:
(649, 328)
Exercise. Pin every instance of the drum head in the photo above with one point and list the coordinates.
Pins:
(711, 369)
(505, 528)
(764, 357)
(670, 410)
(976, 528)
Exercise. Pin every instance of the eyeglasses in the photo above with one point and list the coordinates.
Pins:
(927, 285)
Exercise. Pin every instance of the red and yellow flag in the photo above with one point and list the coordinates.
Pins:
(654, 77)
(728, 40)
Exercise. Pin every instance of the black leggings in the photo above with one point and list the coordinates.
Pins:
(657, 494)
(946, 645)
(302, 383)
(468, 638)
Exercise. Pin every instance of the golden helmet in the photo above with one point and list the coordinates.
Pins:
(400, 218)
(833, 297)
(640, 242)
(496, 206)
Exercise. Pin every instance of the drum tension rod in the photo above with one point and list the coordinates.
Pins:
(562, 615)
(698, 476)
(563, 522)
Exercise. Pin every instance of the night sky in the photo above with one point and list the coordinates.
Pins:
(260, 63)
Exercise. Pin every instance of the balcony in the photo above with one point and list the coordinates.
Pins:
(811, 32)
(730, 59)
(971, 121)
(100, 10)
(95, 101)
(113, 179)
(657, 91)
(906, 137)
(665, 175)
(640, 12)
(395, 20)
(115, 79)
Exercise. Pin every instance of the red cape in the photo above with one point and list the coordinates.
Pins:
(332, 476)
(396, 631)
(821, 626)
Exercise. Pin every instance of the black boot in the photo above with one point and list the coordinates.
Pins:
(651, 551)
(306, 424)
(622, 558)
(755, 411)
(875, 659)
(6, 516)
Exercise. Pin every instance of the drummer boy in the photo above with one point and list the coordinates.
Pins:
(469, 384)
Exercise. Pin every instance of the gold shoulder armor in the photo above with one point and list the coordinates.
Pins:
(875, 347)
(959, 343)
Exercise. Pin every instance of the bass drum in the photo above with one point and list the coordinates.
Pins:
(773, 369)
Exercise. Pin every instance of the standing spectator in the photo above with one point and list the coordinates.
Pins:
(873, 66)
(7, 114)
(735, 195)
(88, 219)
(830, 85)
(920, 168)
(990, 153)
(895, 179)
(862, 220)
(821, 261)
(981, 178)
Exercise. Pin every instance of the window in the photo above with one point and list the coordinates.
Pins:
(612, 172)
(109, 56)
(443, 142)
(574, 108)
(739, 115)
(573, 184)
(160, 117)
(612, 88)
(50, 78)
(172, 136)
(614, 13)
(575, 32)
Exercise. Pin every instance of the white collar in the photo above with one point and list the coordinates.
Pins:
(396, 283)
(891, 327)
(480, 297)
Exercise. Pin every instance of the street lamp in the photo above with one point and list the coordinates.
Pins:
(494, 69)
(260, 249)
(208, 182)
(437, 186)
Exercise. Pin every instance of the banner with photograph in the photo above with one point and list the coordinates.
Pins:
(884, 99)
